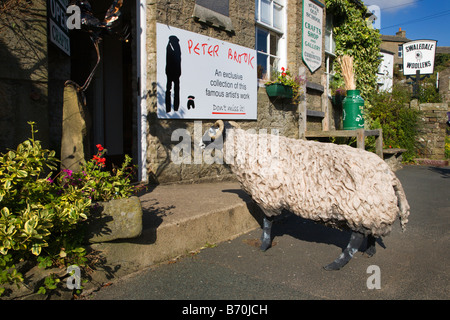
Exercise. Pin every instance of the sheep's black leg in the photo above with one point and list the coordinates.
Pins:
(371, 250)
(352, 247)
(266, 237)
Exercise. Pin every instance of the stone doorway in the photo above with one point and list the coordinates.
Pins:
(111, 96)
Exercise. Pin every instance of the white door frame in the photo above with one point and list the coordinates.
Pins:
(141, 30)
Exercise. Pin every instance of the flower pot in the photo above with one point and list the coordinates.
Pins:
(279, 90)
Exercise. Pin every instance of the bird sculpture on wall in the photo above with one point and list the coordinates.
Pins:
(98, 29)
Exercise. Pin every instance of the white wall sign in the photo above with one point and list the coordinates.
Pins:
(385, 72)
(199, 77)
(312, 34)
(57, 27)
(419, 55)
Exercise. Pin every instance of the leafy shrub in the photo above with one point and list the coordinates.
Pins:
(97, 184)
(33, 210)
(447, 147)
(40, 209)
(391, 112)
(355, 38)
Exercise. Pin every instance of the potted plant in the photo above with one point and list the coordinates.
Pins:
(284, 85)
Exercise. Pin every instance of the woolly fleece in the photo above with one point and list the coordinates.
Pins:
(337, 185)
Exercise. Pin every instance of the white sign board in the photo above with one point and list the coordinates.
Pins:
(374, 21)
(57, 27)
(312, 34)
(385, 72)
(419, 55)
(199, 77)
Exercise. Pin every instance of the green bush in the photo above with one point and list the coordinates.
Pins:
(355, 38)
(32, 209)
(447, 147)
(41, 209)
(391, 112)
(96, 183)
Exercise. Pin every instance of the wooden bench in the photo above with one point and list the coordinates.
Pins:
(360, 134)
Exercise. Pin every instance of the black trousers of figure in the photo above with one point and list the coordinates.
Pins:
(176, 99)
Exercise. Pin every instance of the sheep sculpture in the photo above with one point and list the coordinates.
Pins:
(337, 185)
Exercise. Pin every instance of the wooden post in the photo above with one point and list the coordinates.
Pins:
(302, 107)
(74, 140)
(379, 143)
(326, 118)
(360, 137)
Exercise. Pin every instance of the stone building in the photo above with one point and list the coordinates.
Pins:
(125, 92)
(394, 44)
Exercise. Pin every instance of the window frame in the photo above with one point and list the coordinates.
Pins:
(330, 56)
(272, 31)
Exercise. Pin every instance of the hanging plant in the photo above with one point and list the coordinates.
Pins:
(284, 85)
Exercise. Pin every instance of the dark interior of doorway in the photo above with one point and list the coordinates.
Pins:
(109, 98)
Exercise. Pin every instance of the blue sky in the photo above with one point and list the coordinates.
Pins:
(421, 19)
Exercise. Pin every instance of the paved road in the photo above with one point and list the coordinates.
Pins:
(409, 265)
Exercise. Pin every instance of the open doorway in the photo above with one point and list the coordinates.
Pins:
(111, 97)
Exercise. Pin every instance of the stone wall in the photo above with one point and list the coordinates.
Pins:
(23, 73)
(444, 85)
(272, 113)
(432, 129)
(32, 76)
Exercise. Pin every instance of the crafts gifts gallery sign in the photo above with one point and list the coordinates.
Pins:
(312, 34)
(199, 77)
(419, 56)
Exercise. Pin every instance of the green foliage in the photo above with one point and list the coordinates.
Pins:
(103, 185)
(354, 38)
(50, 283)
(447, 147)
(40, 210)
(285, 77)
(8, 271)
(391, 112)
(32, 209)
(428, 93)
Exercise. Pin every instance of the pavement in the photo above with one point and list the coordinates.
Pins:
(178, 219)
(175, 258)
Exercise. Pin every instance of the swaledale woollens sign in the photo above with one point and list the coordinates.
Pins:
(419, 55)
(200, 77)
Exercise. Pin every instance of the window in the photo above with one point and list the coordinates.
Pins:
(270, 42)
(220, 6)
(400, 50)
(330, 49)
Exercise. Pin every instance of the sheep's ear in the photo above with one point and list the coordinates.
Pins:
(234, 124)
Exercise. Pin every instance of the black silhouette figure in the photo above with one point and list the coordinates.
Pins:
(190, 102)
(173, 72)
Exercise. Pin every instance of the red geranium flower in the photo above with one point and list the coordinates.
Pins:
(99, 147)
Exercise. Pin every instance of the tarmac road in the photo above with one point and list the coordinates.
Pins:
(409, 265)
